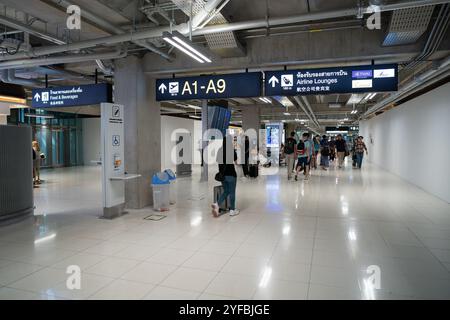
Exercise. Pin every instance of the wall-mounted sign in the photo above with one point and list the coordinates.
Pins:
(372, 78)
(210, 87)
(69, 96)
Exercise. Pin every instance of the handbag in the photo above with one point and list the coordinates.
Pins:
(219, 177)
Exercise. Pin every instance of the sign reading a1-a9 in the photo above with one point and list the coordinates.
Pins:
(247, 84)
(371, 78)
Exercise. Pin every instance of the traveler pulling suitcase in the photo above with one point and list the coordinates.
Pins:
(253, 171)
(225, 206)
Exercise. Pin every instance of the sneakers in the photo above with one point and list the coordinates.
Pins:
(306, 178)
(234, 212)
(215, 209)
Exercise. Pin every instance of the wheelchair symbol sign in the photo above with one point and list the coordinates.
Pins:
(116, 140)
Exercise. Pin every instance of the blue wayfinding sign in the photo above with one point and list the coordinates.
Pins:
(372, 78)
(236, 85)
(69, 96)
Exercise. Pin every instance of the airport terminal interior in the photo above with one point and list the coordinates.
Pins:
(112, 114)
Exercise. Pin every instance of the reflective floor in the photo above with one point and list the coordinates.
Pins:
(344, 234)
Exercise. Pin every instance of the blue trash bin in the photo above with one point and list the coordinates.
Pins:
(161, 191)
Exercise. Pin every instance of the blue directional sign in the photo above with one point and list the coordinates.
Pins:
(236, 85)
(69, 96)
(372, 78)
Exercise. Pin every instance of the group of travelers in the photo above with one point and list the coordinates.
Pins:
(303, 155)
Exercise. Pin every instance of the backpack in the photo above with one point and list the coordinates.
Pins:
(290, 146)
(301, 147)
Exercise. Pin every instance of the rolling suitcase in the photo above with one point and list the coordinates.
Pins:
(225, 206)
(253, 171)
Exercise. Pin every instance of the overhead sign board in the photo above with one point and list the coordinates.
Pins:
(69, 96)
(235, 85)
(371, 78)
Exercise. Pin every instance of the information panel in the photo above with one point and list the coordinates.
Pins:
(70, 96)
(371, 78)
(235, 85)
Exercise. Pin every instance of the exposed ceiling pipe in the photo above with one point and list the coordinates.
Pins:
(110, 27)
(234, 26)
(206, 11)
(213, 14)
(435, 37)
(444, 66)
(304, 109)
(62, 59)
(9, 76)
(106, 70)
(308, 106)
(25, 28)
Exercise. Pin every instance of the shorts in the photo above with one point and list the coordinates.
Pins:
(302, 162)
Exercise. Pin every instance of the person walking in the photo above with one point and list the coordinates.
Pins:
(245, 166)
(36, 162)
(304, 153)
(332, 145)
(316, 143)
(341, 149)
(360, 147)
(228, 177)
(290, 150)
(324, 153)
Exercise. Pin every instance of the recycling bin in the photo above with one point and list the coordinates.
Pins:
(173, 193)
(161, 192)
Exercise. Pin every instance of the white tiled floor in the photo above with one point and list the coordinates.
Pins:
(292, 240)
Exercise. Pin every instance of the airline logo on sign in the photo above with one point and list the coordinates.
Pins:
(384, 73)
(332, 80)
(210, 87)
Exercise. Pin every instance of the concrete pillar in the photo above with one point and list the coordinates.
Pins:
(3, 119)
(136, 91)
(251, 118)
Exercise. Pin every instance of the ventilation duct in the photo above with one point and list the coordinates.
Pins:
(408, 25)
(224, 44)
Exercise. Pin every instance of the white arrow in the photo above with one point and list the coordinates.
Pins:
(273, 81)
(37, 96)
(162, 88)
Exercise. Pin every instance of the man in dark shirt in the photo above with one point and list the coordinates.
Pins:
(341, 148)
(290, 150)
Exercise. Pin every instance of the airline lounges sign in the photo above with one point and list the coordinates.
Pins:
(357, 79)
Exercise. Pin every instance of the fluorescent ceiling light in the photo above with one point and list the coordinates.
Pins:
(265, 100)
(190, 48)
(176, 45)
(334, 105)
(355, 98)
(286, 113)
(46, 116)
(177, 40)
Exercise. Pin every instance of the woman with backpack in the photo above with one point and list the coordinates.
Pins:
(290, 151)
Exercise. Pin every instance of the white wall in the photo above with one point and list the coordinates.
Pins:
(91, 140)
(412, 141)
(172, 124)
